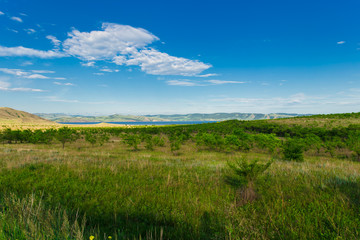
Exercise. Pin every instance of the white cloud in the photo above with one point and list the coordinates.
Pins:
(88, 64)
(99, 74)
(109, 70)
(154, 62)
(63, 84)
(207, 75)
(2, 13)
(340, 42)
(28, 52)
(30, 30)
(60, 78)
(114, 39)
(56, 42)
(219, 82)
(22, 73)
(13, 30)
(27, 63)
(36, 76)
(42, 71)
(121, 44)
(17, 19)
(191, 83)
(6, 86)
(126, 45)
(184, 83)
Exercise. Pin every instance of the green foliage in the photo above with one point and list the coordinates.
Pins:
(65, 135)
(132, 140)
(244, 173)
(294, 150)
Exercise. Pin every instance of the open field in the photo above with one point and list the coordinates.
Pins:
(173, 186)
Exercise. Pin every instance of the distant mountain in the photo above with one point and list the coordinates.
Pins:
(223, 116)
(60, 117)
(9, 115)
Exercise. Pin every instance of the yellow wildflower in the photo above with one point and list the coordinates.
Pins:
(91, 237)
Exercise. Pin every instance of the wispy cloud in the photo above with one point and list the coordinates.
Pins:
(184, 83)
(220, 82)
(23, 74)
(6, 86)
(30, 30)
(56, 42)
(2, 13)
(192, 83)
(42, 71)
(341, 42)
(88, 64)
(17, 19)
(109, 70)
(64, 84)
(29, 52)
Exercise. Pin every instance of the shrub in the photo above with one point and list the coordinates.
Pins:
(294, 150)
(242, 176)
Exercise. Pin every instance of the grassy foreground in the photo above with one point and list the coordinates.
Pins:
(113, 191)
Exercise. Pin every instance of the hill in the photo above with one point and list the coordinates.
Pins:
(60, 117)
(10, 117)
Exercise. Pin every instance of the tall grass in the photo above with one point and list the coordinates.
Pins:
(156, 194)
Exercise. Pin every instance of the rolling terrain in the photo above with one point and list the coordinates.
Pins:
(60, 117)
(295, 178)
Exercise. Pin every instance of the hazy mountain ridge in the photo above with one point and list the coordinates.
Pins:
(61, 117)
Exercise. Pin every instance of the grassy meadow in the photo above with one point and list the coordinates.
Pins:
(169, 182)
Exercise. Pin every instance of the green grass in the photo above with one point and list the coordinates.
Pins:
(160, 195)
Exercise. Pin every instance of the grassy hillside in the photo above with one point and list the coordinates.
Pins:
(14, 119)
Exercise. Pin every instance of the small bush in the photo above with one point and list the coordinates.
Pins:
(242, 177)
(294, 150)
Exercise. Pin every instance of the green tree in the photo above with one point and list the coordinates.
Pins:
(242, 175)
(66, 134)
(294, 150)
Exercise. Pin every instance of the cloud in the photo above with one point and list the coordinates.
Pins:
(42, 71)
(114, 39)
(27, 63)
(99, 74)
(2, 13)
(23, 74)
(219, 82)
(17, 19)
(56, 42)
(6, 86)
(63, 84)
(109, 70)
(28, 52)
(30, 30)
(60, 78)
(88, 64)
(121, 44)
(184, 83)
(154, 62)
(36, 76)
(340, 42)
(207, 75)
(126, 45)
(191, 83)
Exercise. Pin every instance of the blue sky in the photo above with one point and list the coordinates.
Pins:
(151, 57)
